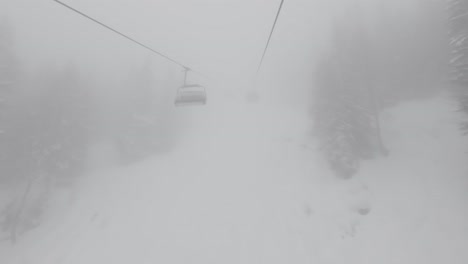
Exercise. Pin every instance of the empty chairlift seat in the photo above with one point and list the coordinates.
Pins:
(191, 94)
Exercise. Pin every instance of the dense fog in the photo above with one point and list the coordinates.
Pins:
(146, 131)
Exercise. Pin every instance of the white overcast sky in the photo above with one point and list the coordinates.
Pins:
(223, 39)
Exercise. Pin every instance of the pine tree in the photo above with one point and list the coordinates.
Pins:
(65, 108)
(371, 65)
(458, 22)
(138, 124)
(458, 18)
(9, 82)
(46, 144)
(8, 63)
(343, 123)
(48, 129)
(344, 109)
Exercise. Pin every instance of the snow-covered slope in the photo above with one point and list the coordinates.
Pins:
(420, 192)
(246, 185)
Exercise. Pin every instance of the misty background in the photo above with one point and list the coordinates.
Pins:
(352, 93)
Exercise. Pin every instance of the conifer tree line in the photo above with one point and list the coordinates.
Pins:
(374, 63)
(458, 34)
(49, 121)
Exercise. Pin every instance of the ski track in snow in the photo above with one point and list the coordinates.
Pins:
(246, 185)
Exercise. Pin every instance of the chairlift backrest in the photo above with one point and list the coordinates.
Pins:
(191, 86)
(190, 94)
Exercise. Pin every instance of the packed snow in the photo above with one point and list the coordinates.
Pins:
(246, 185)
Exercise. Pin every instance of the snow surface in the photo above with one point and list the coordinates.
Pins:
(246, 185)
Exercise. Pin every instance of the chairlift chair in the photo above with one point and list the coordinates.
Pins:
(190, 94)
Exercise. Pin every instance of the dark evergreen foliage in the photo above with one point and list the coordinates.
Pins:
(458, 21)
(141, 119)
(374, 62)
(9, 84)
(343, 122)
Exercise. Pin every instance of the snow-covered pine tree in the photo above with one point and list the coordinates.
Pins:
(458, 22)
(342, 122)
(47, 143)
(66, 108)
(344, 109)
(9, 77)
(48, 127)
(138, 124)
(380, 55)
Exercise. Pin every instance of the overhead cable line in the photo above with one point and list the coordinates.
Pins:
(125, 36)
(271, 34)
